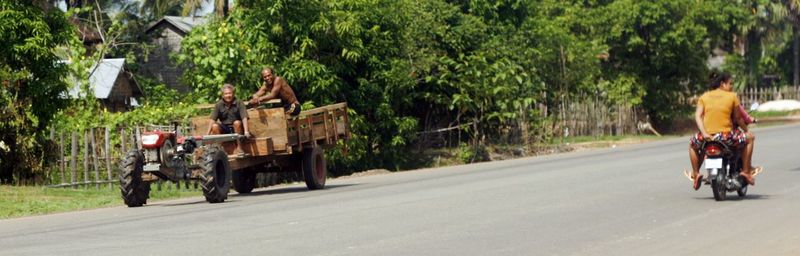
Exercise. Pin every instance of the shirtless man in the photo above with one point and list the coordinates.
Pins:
(278, 89)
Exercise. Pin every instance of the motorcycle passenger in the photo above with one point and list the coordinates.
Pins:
(713, 118)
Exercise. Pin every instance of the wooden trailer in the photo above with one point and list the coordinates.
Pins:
(281, 144)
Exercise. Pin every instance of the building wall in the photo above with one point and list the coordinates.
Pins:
(119, 98)
(158, 65)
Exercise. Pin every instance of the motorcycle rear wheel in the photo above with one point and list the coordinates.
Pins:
(742, 192)
(718, 186)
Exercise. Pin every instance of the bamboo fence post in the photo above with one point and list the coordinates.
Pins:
(73, 160)
(61, 162)
(108, 157)
(86, 157)
(138, 138)
(94, 158)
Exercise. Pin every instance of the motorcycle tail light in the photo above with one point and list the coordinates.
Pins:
(713, 150)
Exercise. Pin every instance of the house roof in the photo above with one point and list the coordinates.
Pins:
(184, 24)
(103, 78)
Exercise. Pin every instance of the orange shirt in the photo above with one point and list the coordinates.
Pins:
(718, 105)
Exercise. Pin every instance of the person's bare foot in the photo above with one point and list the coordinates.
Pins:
(748, 178)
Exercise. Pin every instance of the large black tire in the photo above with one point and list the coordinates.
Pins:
(216, 176)
(134, 191)
(314, 169)
(244, 181)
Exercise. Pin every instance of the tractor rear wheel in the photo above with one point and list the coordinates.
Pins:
(314, 170)
(244, 181)
(216, 174)
(134, 191)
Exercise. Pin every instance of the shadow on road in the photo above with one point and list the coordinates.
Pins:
(233, 195)
(736, 198)
(286, 190)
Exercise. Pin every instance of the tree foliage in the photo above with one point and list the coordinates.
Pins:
(32, 83)
(486, 68)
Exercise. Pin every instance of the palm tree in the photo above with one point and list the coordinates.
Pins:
(221, 7)
(155, 9)
(765, 27)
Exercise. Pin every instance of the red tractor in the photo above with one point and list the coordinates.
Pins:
(279, 144)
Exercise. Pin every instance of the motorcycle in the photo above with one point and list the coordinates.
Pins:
(723, 164)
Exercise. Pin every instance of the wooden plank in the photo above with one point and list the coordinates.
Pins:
(94, 158)
(298, 139)
(73, 159)
(270, 123)
(86, 157)
(138, 138)
(335, 131)
(318, 119)
(263, 123)
(61, 163)
(258, 146)
(311, 133)
(108, 156)
(323, 109)
(327, 135)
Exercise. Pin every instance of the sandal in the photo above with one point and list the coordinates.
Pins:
(757, 170)
(696, 180)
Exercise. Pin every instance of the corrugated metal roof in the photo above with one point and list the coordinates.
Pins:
(103, 78)
(184, 24)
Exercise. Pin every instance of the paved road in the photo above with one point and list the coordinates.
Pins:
(630, 200)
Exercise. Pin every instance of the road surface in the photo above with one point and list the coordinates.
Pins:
(630, 200)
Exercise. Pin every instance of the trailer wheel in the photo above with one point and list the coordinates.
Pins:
(244, 181)
(216, 176)
(314, 170)
(134, 191)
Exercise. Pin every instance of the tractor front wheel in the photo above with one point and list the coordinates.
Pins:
(216, 174)
(134, 191)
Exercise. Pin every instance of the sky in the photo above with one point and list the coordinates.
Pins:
(206, 8)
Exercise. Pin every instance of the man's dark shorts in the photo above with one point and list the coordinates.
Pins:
(733, 138)
(226, 128)
(292, 109)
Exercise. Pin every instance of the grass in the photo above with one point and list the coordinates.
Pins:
(19, 201)
(774, 114)
(607, 138)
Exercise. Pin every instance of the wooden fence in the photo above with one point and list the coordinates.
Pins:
(596, 118)
(761, 95)
(90, 158)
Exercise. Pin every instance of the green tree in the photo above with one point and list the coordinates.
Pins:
(664, 45)
(33, 83)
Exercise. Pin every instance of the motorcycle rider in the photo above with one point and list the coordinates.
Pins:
(713, 118)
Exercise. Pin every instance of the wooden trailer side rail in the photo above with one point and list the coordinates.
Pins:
(322, 126)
